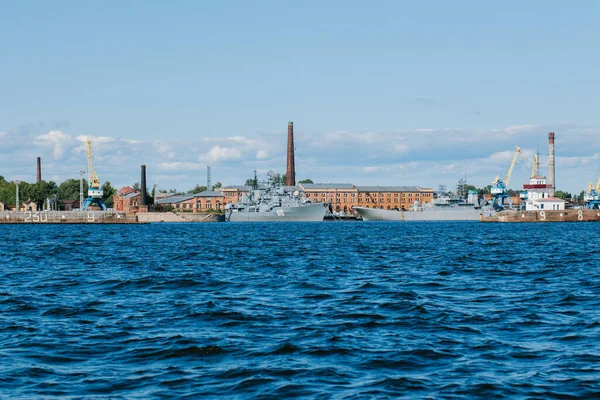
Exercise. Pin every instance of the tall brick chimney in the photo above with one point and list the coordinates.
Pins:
(290, 172)
(551, 168)
(143, 187)
(39, 170)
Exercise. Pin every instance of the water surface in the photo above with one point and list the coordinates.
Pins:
(328, 310)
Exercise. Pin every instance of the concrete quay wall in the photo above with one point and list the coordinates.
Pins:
(66, 217)
(179, 217)
(545, 216)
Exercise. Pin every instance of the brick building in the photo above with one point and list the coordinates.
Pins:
(127, 200)
(200, 202)
(345, 196)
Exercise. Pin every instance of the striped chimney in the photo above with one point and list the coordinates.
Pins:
(551, 166)
(290, 172)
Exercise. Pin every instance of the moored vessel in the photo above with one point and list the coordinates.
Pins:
(442, 208)
(270, 202)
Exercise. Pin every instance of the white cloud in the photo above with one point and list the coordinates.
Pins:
(57, 141)
(218, 153)
(424, 157)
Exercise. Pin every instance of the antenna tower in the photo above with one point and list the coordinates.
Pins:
(208, 178)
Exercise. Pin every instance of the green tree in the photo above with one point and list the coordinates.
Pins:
(108, 194)
(217, 185)
(306, 181)
(563, 195)
(198, 189)
(69, 189)
(250, 182)
(136, 187)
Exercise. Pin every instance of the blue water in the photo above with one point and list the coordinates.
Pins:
(327, 310)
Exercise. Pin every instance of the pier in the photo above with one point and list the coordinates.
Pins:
(581, 215)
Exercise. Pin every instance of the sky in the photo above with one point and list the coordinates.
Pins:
(380, 93)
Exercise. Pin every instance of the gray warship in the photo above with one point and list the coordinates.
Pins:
(445, 207)
(269, 201)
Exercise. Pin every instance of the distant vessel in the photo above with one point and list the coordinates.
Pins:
(442, 208)
(269, 201)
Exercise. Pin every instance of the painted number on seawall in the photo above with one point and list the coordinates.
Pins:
(36, 217)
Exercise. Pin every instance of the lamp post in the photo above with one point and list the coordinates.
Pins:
(81, 189)
(17, 208)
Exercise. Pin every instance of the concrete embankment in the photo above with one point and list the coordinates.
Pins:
(66, 217)
(545, 216)
(180, 217)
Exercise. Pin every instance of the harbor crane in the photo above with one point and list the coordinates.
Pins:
(591, 197)
(499, 188)
(95, 192)
(535, 171)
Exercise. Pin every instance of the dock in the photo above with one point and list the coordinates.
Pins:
(66, 217)
(581, 215)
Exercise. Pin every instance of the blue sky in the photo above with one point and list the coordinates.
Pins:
(384, 93)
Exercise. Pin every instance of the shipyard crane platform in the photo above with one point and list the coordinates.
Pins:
(499, 190)
(95, 192)
(591, 197)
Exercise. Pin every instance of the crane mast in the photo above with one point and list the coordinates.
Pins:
(95, 192)
(512, 164)
(535, 169)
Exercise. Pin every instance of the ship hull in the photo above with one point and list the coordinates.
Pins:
(306, 213)
(375, 214)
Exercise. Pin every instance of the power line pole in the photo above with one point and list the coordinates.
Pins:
(17, 208)
(81, 189)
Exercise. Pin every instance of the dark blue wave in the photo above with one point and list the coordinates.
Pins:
(332, 310)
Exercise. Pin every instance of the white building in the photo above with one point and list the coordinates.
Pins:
(538, 196)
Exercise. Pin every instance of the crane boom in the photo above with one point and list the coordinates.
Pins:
(535, 169)
(92, 176)
(598, 186)
(512, 164)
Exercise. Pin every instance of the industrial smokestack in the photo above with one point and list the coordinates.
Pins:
(551, 183)
(290, 172)
(39, 170)
(143, 187)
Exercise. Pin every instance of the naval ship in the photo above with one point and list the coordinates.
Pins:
(442, 208)
(269, 201)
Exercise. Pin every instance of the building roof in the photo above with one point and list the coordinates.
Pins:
(126, 190)
(130, 195)
(209, 193)
(551, 199)
(388, 189)
(292, 188)
(308, 186)
(176, 198)
(241, 188)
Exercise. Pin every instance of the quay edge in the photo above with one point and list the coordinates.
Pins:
(581, 215)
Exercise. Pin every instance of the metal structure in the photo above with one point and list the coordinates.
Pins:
(499, 188)
(17, 208)
(208, 178)
(535, 169)
(591, 197)
(81, 173)
(95, 192)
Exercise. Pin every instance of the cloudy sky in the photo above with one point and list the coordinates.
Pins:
(390, 93)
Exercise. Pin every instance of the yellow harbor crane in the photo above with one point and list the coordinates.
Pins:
(500, 186)
(535, 169)
(95, 192)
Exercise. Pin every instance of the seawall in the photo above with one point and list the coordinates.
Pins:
(180, 217)
(546, 216)
(66, 217)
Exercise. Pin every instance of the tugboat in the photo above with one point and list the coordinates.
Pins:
(269, 202)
